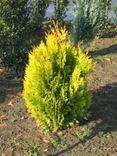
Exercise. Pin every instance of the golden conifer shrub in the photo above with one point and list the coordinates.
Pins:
(55, 88)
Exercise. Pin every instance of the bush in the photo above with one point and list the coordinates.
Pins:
(20, 23)
(55, 88)
(13, 31)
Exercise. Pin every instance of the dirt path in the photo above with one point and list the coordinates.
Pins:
(19, 135)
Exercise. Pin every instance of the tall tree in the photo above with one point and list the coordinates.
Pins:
(60, 9)
(13, 23)
(38, 10)
(20, 22)
(107, 5)
(88, 19)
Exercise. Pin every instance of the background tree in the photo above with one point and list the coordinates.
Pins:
(20, 24)
(60, 9)
(107, 5)
(38, 11)
(115, 10)
(88, 19)
(13, 23)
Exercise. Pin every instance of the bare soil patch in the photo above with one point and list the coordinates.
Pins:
(20, 136)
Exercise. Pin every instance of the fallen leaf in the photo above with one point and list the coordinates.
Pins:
(19, 135)
(108, 59)
(19, 94)
(39, 139)
(3, 125)
(12, 102)
(3, 154)
(18, 145)
(46, 150)
(2, 116)
(46, 140)
(108, 149)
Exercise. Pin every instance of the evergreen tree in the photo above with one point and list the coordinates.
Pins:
(106, 5)
(88, 19)
(60, 9)
(38, 11)
(13, 23)
(20, 24)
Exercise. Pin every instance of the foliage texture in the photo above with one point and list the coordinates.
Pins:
(13, 24)
(55, 88)
(60, 10)
(88, 19)
(20, 23)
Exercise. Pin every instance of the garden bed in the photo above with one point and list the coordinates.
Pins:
(20, 136)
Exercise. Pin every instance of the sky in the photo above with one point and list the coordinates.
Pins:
(50, 10)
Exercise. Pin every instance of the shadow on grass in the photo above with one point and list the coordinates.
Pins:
(104, 107)
(101, 52)
(9, 87)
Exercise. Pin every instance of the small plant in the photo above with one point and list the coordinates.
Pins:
(103, 130)
(58, 143)
(33, 151)
(106, 135)
(55, 88)
(83, 134)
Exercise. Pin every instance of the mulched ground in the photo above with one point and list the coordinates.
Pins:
(20, 136)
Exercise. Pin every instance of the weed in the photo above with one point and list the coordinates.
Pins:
(33, 151)
(60, 133)
(10, 151)
(84, 133)
(58, 143)
(106, 135)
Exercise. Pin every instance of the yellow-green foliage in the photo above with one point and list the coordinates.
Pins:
(55, 89)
